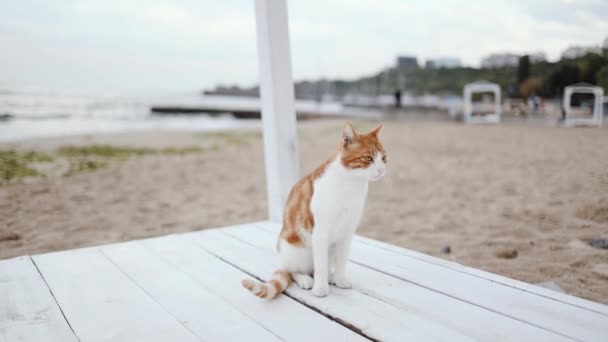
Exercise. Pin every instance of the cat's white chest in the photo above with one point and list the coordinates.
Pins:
(337, 204)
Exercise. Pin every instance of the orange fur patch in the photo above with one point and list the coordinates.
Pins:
(354, 154)
(297, 209)
(248, 284)
(278, 277)
(277, 285)
(283, 274)
(263, 291)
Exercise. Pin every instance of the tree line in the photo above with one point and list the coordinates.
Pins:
(545, 79)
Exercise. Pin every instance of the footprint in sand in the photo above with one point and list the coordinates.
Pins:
(601, 270)
(10, 237)
(597, 212)
(506, 253)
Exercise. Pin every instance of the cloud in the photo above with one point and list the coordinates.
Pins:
(191, 44)
(568, 12)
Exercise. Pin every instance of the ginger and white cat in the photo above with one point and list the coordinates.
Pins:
(322, 213)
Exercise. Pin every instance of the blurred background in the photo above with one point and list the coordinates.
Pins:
(129, 119)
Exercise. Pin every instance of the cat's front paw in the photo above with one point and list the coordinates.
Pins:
(319, 290)
(340, 282)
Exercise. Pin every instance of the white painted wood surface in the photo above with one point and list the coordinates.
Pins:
(541, 291)
(381, 306)
(284, 317)
(527, 287)
(202, 312)
(102, 304)
(28, 311)
(187, 287)
(277, 95)
(577, 321)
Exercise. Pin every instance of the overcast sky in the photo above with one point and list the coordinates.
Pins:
(188, 45)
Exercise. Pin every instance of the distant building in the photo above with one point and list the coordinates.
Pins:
(579, 51)
(605, 44)
(447, 63)
(407, 62)
(499, 60)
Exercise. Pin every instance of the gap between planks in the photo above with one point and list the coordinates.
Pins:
(331, 317)
(54, 298)
(546, 323)
(204, 236)
(580, 303)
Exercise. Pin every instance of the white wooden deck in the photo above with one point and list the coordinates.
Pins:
(187, 288)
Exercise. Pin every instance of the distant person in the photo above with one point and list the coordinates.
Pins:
(534, 103)
(397, 98)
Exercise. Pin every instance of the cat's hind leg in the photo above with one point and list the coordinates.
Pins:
(295, 259)
(304, 281)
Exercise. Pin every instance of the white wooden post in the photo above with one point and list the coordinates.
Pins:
(277, 95)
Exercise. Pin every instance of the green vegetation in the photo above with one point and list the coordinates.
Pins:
(230, 138)
(16, 164)
(181, 150)
(103, 151)
(36, 157)
(71, 160)
(94, 157)
(523, 69)
(531, 86)
(553, 77)
(602, 78)
(79, 165)
(122, 152)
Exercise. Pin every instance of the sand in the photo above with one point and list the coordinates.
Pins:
(520, 201)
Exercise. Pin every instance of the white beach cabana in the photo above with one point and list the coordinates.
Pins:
(481, 87)
(597, 114)
(186, 287)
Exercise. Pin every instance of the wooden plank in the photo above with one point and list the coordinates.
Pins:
(284, 317)
(102, 304)
(277, 96)
(527, 287)
(556, 316)
(378, 321)
(377, 305)
(561, 297)
(203, 313)
(28, 311)
(550, 314)
(563, 318)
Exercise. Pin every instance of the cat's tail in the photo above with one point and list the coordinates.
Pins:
(279, 281)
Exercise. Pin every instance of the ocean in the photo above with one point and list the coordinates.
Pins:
(27, 113)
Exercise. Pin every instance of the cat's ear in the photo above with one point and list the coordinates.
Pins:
(377, 131)
(348, 134)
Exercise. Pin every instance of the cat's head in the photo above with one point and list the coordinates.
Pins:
(363, 154)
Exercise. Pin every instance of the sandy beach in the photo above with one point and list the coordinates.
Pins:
(520, 201)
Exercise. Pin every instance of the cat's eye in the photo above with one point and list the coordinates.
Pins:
(369, 159)
(384, 158)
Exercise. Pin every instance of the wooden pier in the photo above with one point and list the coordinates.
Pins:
(187, 288)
